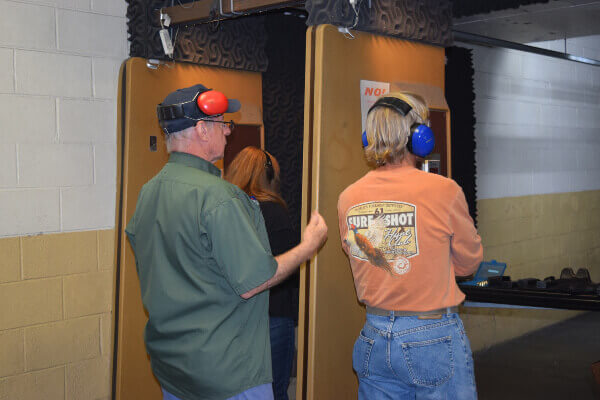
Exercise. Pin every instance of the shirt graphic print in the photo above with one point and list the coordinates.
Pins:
(384, 233)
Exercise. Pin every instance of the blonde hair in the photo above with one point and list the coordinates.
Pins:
(248, 171)
(388, 131)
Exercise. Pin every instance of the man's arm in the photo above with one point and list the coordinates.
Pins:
(315, 235)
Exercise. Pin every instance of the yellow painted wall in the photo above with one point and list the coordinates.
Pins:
(537, 236)
(56, 294)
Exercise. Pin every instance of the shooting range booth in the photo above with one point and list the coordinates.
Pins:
(305, 74)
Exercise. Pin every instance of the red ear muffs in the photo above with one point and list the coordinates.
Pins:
(212, 102)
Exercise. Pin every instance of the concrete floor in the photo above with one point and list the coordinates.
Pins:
(551, 363)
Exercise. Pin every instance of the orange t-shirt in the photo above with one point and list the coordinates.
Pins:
(407, 234)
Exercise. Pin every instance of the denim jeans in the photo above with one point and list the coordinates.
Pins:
(282, 354)
(412, 358)
(260, 392)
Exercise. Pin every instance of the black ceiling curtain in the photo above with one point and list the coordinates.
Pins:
(460, 96)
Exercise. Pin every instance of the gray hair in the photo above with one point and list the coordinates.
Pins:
(177, 141)
(388, 131)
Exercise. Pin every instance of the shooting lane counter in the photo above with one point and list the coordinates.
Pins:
(141, 154)
(330, 315)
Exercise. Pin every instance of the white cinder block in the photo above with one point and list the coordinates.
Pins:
(53, 74)
(569, 95)
(543, 182)
(105, 163)
(29, 211)
(89, 207)
(544, 68)
(529, 90)
(579, 181)
(493, 111)
(499, 86)
(498, 61)
(27, 119)
(593, 53)
(494, 159)
(558, 116)
(76, 4)
(509, 131)
(37, 33)
(111, 7)
(48, 165)
(585, 75)
(106, 77)
(93, 34)
(492, 85)
(587, 158)
(588, 118)
(8, 165)
(71, 4)
(492, 186)
(554, 153)
(85, 121)
(521, 183)
(593, 179)
(7, 77)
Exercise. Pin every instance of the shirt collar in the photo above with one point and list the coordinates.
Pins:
(193, 161)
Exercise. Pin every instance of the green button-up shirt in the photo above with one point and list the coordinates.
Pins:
(199, 244)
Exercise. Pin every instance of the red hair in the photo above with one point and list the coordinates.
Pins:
(248, 171)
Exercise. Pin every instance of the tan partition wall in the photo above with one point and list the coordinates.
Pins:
(141, 153)
(333, 158)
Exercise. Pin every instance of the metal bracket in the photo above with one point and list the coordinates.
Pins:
(234, 12)
(221, 10)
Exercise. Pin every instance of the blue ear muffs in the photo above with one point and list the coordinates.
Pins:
(421, 140)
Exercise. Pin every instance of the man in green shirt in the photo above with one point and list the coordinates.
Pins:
(204, 261)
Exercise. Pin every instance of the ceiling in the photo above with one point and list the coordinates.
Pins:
(556, 19)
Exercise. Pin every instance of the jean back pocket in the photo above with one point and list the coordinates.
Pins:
(430, 362)
(361, 354)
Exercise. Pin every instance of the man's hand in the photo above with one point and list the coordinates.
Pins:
(315, 233)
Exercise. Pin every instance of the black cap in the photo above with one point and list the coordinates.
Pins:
(179, 109)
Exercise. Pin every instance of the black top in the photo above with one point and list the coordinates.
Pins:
(283, 298)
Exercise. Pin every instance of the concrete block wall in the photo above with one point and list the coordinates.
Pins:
(538, 173)
(56, 293)
(60, 61)
(538, 121)
(58, 99)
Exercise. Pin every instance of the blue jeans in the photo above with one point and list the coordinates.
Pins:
(412, 358)
(260, 392)
(282, 354)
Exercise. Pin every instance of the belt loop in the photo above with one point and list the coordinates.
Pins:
(391, 316)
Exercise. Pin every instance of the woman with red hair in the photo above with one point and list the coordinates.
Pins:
(256, 172)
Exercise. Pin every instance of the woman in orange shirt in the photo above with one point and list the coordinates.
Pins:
(407, 233)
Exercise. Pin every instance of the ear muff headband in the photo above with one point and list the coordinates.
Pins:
(210, 103)
(269, 167)
(421, 139)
